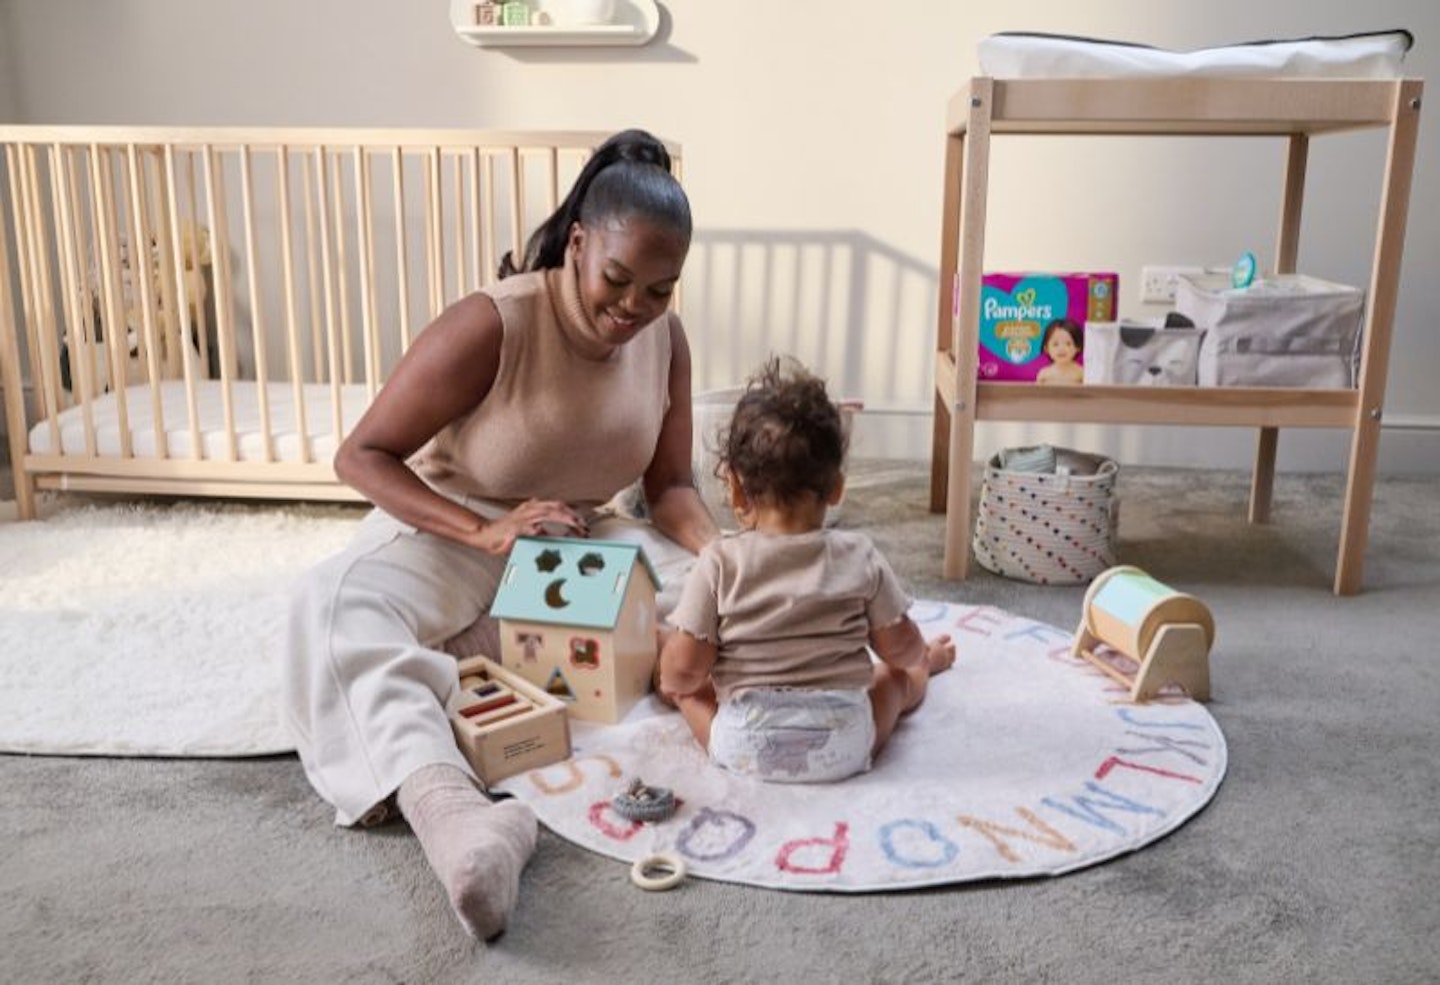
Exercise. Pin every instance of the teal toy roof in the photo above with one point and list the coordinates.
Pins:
(569, 582)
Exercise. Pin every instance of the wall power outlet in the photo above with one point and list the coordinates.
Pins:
(1157, 282)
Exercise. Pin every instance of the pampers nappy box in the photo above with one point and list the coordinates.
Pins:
(1016, 308)
(1284, 330)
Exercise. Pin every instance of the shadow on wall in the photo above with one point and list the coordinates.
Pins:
(853, 309)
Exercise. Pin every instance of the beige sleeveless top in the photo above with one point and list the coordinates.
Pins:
(569, 417)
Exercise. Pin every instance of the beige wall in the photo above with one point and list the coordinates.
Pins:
(813, 141)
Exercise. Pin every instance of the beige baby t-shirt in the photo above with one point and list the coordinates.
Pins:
(790, 610)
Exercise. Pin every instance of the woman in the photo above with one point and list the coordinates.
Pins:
(519, 411)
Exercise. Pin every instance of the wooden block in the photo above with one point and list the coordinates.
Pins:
(500, 714)
(521, 727)
(489, 703)
(515, 14)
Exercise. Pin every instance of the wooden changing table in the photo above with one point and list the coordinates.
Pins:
(1295, 109)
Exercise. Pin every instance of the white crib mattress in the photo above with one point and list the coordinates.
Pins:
(210, 414)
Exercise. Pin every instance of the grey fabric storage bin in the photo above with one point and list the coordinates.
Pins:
(1141, 352)
(1286, 330)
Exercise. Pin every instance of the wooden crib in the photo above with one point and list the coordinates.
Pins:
(208, 311)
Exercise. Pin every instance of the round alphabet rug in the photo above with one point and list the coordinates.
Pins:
(1022, 761)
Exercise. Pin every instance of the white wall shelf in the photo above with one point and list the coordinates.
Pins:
(636, 22)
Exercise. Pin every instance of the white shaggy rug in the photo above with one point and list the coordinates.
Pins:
(151, 629)
(1023, 761)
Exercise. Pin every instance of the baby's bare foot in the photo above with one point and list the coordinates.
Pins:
(940, 654)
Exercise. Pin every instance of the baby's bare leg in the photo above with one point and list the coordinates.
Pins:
(699, 709)
(662, 636)
(895, 692)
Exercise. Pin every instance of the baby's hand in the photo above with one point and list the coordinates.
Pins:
(940, 654)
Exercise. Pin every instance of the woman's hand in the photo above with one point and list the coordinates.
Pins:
(532, 518)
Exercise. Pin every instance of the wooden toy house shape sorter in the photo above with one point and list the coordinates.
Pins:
(577, 619)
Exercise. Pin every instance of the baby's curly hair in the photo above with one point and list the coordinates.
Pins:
(786, 437)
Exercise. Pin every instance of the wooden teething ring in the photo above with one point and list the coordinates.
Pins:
(644, 872)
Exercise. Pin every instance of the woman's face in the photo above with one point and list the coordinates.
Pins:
(628, 268)
(1061, 347)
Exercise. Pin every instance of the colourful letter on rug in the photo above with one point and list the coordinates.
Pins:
(838, 846)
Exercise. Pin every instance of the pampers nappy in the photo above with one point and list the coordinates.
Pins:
(1016, 308)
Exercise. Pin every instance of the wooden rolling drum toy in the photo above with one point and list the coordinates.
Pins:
(1167, 633)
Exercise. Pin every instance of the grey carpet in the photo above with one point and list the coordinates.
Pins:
(1317, 861)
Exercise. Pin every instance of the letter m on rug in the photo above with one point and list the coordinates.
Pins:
(1088, 810)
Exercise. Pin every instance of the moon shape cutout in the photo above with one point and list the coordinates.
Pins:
(553, 598)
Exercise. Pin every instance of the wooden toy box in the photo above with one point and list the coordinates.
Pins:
(506, 725)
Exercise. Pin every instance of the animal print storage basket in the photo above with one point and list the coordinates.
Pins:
(1047, 515)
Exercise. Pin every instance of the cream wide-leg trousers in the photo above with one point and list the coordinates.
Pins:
(369, 672)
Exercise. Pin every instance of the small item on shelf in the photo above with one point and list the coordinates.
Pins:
(1243, 273)
(1032, 324)
(487, 14)
(1281, 330)
(515, 13)
(582, 13)
(539, 18)
(1143, 351)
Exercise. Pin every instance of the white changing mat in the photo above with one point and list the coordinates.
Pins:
(210, 414)
(1029, 55)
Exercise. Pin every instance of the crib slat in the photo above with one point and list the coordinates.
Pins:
(36, 284)
(287, 275)
(17, 430)
(517, 207)
(476, 210)
(552, 191)
(366, 252)
(402, 254)
(491, 218)
(218, 218)
(140, 221)
(182, 302)
(193, 277)
(435, 253)
(257, 309)
(341, 267)
(78, 311)
(172, 342)
(108, 246)
(312, 245)
(327, 287)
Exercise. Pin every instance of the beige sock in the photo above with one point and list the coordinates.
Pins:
(476, 848)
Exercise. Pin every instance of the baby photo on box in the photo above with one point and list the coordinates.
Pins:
(1032, 326)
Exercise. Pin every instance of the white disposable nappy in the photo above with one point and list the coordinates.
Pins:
(788, 735)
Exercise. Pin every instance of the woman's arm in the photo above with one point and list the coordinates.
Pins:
(675, 506)
(446, 372)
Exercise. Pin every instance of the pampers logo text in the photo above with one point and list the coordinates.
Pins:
(1024, 308)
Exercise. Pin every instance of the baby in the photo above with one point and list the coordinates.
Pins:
(769, 661)
(1062, 342)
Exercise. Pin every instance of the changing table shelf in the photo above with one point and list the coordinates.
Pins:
(1292, 109)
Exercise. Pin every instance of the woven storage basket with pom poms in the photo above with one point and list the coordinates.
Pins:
(1047, 515)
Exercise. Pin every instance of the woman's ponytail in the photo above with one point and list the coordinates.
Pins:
(639, 182)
